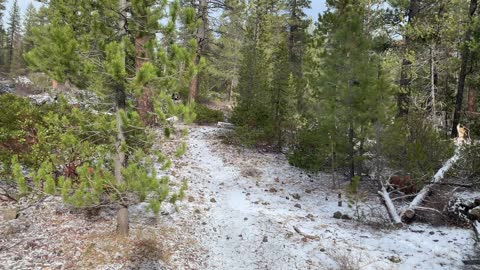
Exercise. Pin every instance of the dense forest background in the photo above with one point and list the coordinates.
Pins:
(371, 84)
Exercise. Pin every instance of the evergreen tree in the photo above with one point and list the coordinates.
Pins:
(350, 89)
(30, 21)
(14, 37)
(3, 37)
(87, 43)
(297, 39)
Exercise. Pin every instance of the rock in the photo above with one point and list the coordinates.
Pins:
(41, 99)
(346, 217)
(172, 120)
(297, 205)
(322, 249)
(272, 190)
(432, 233)
(394, 259)
(296, 196)
(191, 199)
(197, 211)
(251, 173)
(167, 209)
(213, 200)
(9, 214)
(311, 217)
(245, 219)
(287, 198)
(265, 239)
(204, 223)
(475, 213)
(308, 191)
(337, 215)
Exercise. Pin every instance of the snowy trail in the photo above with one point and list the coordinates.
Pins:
(245, 221)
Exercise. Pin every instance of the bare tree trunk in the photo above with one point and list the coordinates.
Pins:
(334, 165)
(201, 46)
(463, 70)
(351, 136)
(432, 82)
(120, 157)
(471, 99)
(403, 97)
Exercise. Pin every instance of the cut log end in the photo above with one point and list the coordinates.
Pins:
(408, 215)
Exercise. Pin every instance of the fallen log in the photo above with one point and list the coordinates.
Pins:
(390, 207)
(409, 213)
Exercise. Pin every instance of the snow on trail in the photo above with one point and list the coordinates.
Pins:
(245, 220)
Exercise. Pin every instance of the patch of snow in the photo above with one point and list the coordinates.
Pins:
(250, 224)
(23, 80)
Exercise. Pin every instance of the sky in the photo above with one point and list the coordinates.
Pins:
(318, 6)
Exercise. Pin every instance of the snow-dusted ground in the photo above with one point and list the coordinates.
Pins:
(250, 223)
(240, 212)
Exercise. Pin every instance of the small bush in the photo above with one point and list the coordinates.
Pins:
(413, 146)
(206, 115)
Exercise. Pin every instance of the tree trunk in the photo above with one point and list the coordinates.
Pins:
(463, 70)
(123, 224)
(471, 99)
(432, 83)
(140, 52)
(351, 136)
(403, 97)
(120, 156)
(334, 165)
(201, 46)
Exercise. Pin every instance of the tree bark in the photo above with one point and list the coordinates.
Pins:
(463, 70)
(120, 156)
(201, 46)
(390, 207)
(123, 224)
(403, 97)
(432, 82)
(471, 99)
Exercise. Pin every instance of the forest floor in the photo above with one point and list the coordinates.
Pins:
(243, 210)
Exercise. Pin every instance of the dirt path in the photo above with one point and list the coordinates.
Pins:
(247, 205)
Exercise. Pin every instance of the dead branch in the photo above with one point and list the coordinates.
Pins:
(313, 237)
(389, 205)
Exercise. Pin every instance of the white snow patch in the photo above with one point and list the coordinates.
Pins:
(251, 223)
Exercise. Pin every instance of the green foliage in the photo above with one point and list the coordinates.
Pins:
(413, 146)
(205, 115)
(469, 165)
(181, 150)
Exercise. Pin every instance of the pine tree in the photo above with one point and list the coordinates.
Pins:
(283, 95)
(31, 21)
(14, 37)
(3, 37)
(100, 55)
(348, 86)
(297, 39)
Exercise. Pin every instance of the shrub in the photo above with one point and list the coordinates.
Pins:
(206, 115)
(412, 145)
